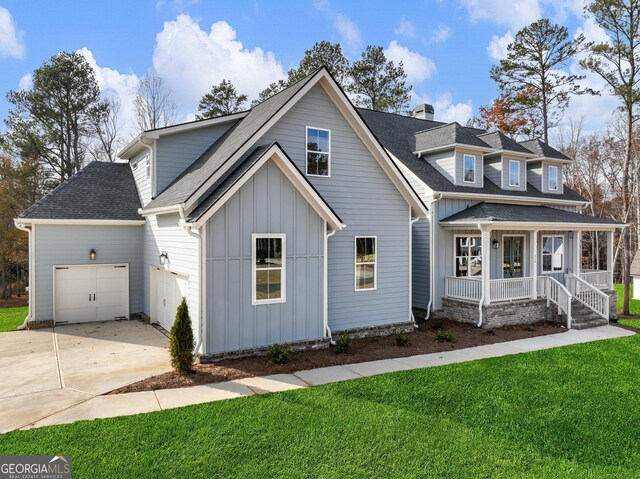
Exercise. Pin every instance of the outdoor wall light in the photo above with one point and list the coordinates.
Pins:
(163, 258)
(92, 254)
(495, 244)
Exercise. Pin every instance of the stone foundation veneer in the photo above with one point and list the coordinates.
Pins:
(613, 304)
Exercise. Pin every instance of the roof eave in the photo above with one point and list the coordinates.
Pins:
(451, 146)
(532, 225)
(509, 198)
(78, 222)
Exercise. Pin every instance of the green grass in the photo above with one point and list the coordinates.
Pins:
(11, 318)
(569, 412)
(634, 304)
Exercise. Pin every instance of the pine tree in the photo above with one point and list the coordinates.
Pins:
(181, 340)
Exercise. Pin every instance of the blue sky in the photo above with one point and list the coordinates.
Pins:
(447, 46)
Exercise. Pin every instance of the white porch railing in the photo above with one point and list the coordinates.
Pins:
(588, 294)
(469, 289)
(599, 279)
(556, 293)
(510, 289)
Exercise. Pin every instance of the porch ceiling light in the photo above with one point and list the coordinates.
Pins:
(163, 258)
(92, 254)
(495, 244)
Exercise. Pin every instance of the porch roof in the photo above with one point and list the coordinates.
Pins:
(528, 217)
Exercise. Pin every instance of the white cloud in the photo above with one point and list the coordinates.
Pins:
(348, 31)
(514, 14)
(191, 60)
(26, 82)
(416, 66)
(406, 28)
(11, 38)
(497, 49)
(444, 108)
(440, 34)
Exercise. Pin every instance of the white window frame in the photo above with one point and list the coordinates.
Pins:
(475, 167)
(148, 166)
(517, 163)
(468, 246)
(543, 254)
(355, 264)
(283, 269)
(556, 169)
(307, 151)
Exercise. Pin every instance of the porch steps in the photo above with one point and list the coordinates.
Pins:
(584, 318)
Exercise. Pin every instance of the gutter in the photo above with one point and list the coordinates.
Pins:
(29, 317)
(327, 329)
(412, 221)
(430, 218)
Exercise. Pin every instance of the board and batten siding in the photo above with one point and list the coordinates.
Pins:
(266, 203)
(367, 202)
(143, 182)
(70, 245)
(164, 233)
(175, 152)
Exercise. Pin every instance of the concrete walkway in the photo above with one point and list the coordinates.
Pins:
(141, 402)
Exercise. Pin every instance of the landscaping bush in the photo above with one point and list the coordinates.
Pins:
(401, 338)
(343, 343)
(279, 353)
(181, 340)
(443, 336)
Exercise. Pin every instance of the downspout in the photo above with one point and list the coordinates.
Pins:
(327, 329)
(430, 218)
(412, 221)
(22, 227)
(481, 304)
(189, 229)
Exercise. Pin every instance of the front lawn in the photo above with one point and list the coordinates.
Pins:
(567, 412)
(11, 318)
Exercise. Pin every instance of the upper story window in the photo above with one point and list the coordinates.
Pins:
(514, 173)
(469, 168)
(553, 178)
(269, 268)
(318, 151)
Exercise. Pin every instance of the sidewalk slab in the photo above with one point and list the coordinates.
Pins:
(101, 407)
(331, 374)
(273, 383)
(179, 397)
(382, 366)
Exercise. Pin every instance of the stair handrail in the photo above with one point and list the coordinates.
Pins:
(588, 295)
(559, 295)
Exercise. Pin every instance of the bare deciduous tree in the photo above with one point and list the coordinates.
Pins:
(106, 130)
(153, 105)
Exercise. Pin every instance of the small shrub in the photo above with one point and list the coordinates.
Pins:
(489, 332)
(181, 340)
(443, 336)
(401, 338)
(279, 353)
(343, 343)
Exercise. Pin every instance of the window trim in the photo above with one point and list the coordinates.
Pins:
(283, 269)
(475, 167)
(517, 162)
(555, 167)
(542, 254)
(307, 151)
(148, 168)
(455, 256)
(355, 264)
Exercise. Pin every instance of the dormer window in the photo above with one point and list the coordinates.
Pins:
(514, 173)
(318, 152)
(469, 169)
(553, 178)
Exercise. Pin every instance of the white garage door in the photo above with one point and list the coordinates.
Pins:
(86, 293)
(170, 289)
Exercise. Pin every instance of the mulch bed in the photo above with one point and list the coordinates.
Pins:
(15, 301)
(422, 341)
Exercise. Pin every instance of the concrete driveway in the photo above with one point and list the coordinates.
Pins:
(45, 371)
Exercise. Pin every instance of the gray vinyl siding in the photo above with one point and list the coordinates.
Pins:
(70, 245)
(445, 163)
(493, 170)
(534, 175)
(174, 153)
(266, 203)
(367, 202)
(163, 233)
(479, 176)
(143, 182)
(545, 178)
(505, 175)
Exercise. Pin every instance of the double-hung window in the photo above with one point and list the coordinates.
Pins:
(269, 268)
(552, 254)
(553, 178)
(318, 152)
(468, 255)
(514, 173)
(469, 168)
(366, 259)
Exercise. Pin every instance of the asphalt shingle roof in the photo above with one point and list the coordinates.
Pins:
(396, 133)
(448, 134)
(500, 141)
(100, 191)
(497, 212)
(188, 182)
(540, 148)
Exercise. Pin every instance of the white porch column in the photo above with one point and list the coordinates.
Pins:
(577, 252)
(610, 257)
(486, 264)
(533, 262)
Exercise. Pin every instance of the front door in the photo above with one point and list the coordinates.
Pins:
(513, 247)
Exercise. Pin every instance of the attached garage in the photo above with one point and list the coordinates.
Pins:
(91, 292)
(169, 289)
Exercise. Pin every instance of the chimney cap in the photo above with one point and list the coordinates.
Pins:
(423, 111)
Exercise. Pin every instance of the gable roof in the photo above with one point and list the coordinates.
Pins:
(100, 191)
(541, 149)
(447, 135)
(499, 141)
(496, 213)
(396, 132)
(249, 164)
